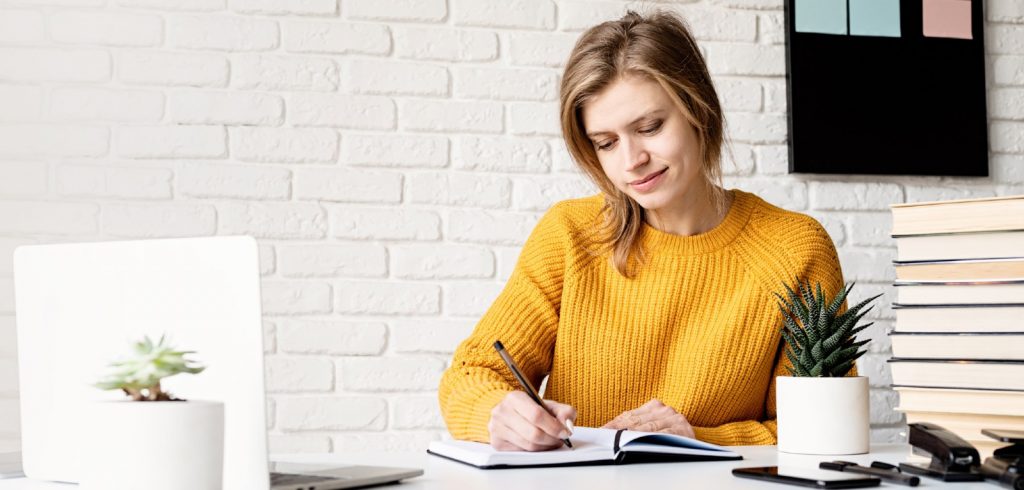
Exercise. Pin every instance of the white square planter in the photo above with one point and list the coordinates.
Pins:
(170, 445)
(823, 415)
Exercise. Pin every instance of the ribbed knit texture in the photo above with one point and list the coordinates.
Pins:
(697, 328)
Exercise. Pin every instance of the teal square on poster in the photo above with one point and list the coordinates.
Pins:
(821, 16)
(875, 18)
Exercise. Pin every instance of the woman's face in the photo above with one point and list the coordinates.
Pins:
(646, 147)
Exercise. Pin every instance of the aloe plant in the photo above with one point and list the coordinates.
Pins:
(820, 341)
(139, 377)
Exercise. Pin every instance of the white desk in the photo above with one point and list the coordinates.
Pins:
(443, 474)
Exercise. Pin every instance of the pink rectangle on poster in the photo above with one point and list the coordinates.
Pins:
(947, 18)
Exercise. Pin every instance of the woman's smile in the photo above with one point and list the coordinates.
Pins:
(648, 183)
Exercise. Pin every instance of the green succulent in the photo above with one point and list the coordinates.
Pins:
(820, 342)
(139, 377)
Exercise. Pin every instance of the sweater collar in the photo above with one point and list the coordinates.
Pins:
(659, 242)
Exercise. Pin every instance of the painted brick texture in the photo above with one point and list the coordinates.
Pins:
(390, 157)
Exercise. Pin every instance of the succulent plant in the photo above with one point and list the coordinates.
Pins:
(139, 377)
(820, 341)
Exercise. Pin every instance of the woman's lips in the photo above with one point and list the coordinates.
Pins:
(650, 182)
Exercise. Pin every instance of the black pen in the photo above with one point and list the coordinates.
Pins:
(890, 475)
(525, 383)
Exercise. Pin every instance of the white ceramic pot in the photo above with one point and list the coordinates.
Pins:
(153, 445)
(823, 415)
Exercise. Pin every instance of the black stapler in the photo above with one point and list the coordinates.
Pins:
(1006, 465)
(953, 459)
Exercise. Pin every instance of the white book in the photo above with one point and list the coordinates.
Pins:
(993, 402)
(956, 345)
(958, 216)
(591, 446)
(992, 245)
(1003, 269)
(958, 318)
(958, 374)
(959, 292)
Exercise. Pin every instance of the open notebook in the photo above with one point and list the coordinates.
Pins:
(590, 447)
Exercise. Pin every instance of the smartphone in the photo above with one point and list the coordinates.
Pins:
(806, 477)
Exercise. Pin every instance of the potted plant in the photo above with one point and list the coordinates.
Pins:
(820, 409)
(154, 440)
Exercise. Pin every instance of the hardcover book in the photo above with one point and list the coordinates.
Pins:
(983, 375)
(986, 245)
(992, 402)
(958, 318)
(591, 446)
(959, 292)
(1005, 269)
(958, 345)
(957, 216)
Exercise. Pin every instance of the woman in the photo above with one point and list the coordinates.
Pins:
(650, 306)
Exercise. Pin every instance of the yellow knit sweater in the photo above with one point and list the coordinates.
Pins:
(697, 328)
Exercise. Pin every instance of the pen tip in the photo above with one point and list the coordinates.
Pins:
(568, 443)
(497, 345)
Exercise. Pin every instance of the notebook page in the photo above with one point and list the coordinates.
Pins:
(669, 444)
(588, 445)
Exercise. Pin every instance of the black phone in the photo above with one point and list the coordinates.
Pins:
(805, 477)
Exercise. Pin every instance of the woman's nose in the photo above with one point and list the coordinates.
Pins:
(635, 154)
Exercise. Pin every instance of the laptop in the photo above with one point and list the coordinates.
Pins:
(80, 306)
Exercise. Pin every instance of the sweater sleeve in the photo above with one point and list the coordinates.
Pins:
(524, 317)
(814, 259)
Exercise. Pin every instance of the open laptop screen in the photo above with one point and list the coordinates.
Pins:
(79, 306)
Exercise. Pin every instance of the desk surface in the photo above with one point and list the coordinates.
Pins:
(440, 473)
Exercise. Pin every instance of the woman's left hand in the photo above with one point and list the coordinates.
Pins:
(653, 416)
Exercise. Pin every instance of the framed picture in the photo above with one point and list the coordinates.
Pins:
(886, 87)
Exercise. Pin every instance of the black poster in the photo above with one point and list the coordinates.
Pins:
(886, 87)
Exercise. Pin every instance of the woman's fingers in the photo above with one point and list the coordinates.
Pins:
(685, 430)
(503, 445)
(536, 416)
(647, 412)
(653, 416)
(565, 414)
(656, 425)
(652, 404)
(532, 433)
(506, 438)
(612, 424)
(518, 423)
(511, 435)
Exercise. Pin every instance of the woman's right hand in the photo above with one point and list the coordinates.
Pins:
(519, 424)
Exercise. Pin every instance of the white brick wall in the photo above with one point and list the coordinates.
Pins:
(390, 156)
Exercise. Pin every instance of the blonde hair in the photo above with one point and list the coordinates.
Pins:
(659, 47)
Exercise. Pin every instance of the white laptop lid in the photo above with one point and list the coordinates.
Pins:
(80, 306)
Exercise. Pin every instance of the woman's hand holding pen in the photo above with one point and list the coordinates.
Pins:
(653, 416)
(519, 424)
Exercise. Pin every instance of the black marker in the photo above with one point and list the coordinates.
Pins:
(890, 475)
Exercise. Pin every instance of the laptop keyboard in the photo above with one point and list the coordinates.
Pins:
(293, 479)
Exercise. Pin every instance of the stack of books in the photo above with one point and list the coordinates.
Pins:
(958, 341)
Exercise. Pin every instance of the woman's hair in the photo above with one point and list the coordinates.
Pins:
(660, 48)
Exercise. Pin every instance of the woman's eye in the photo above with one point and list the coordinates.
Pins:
(652, 128)
(605, 146)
